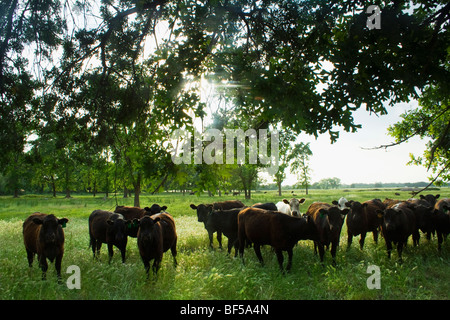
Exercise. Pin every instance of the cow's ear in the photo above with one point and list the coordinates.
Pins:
(164, 208)
(285, 201)
(63, 222)
(335, 202)
(345, 211)
(193, 206)
(302, 200)
(380, 213)
(437, 196)
(38, 221)
(365, 205)
(156, 219)
(135, 222)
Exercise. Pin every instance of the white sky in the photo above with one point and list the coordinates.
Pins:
(346, 159)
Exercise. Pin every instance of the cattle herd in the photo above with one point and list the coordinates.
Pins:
(279, 225)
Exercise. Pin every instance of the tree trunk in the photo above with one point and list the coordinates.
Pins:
(279, 188)
(137, 190)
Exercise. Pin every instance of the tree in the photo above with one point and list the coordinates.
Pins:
(299, 160)
(115, 74)
(432, 120)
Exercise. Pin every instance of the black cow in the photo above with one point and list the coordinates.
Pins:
(204, 210)
(398, 224)
(266, 206)
(43, 234)
(110, 228)
(363, 218)
(150, 242)
(224, 221)
(441, 220)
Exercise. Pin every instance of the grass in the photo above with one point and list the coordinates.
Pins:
(203, 273)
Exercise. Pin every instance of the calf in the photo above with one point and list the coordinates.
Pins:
(279, 230)
(43, 234)
(150, 242)
(328, 220)
(110, 228)
(363, 218)
(204, 210)
(224, 221)
(441, 220)
(290, 207)
(398, 224)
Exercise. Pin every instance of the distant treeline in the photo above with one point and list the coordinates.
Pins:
(357, 186)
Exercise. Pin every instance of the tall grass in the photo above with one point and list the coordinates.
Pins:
(203, 273)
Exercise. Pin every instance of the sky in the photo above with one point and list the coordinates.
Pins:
(347, 160)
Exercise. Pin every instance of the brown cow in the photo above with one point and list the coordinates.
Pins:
(43, 234)
(363, 218)
(279, 230)
(328, 220)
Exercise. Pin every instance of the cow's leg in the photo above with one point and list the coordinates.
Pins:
(146, 266)
(58, 267)
(257, 248)
(123, 250)
(375, 236)
(30, 257)
(333, 251)
(174, 254)
(361, 240)
(321, 251)
(349, 239)
(389, 248)
(210, 236)
(44, 266)
(289, 265)
(110, 252)
(219, 239)
(280, 258)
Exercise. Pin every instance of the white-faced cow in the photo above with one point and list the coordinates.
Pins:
(290, 207)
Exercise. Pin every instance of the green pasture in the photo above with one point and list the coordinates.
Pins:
(203, 273)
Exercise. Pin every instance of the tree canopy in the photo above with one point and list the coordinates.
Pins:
(119, 75)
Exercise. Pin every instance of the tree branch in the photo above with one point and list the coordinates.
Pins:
(423, 127)
(432, 181)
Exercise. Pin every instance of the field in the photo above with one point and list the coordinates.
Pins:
(203, 273)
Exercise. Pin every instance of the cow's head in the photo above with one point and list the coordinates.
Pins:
(294, 205)
(50, 225)
(335, 218)
(154, 209)
(430, 198)
(203, 210)
(117, 227)
(146, 226)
